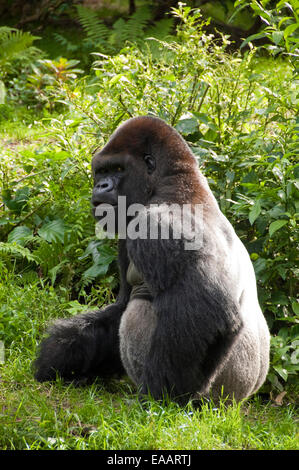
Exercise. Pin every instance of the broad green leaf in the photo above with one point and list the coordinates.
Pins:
(283, 332)
(230, 176)
(95, 270)
(19, 235)
(187, 126)
(282, 372)
(295, 307)
(274, 226)
(52, 231)
(19, 201)
(283, 20)
(254, 212)
(290, 29)
(284, 4)
(282, 272)
(277, 37)
(260, 265)
(119, 78)
(280, 298)
(204, 118)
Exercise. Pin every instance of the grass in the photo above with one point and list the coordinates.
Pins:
(58, 416)
(108, 415)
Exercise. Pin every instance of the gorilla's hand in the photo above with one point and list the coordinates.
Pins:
(79, 347)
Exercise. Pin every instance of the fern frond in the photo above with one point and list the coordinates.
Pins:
(137, 23)
(118, 35)
(161, 29)
(13, 43)
(94, 28)
(68, 45)
(5, 31)
(48, 255)
(17, 251)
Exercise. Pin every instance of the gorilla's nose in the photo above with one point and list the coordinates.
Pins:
(105, 185)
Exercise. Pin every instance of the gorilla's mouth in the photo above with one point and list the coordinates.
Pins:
(102, 209)
(105, 204)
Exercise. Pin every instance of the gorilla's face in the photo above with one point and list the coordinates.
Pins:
(122, 174)
(146, 161)
(126, 166)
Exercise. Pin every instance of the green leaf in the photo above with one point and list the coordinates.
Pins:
(282, 272)
(274, 226)
(95, 270)
(277, 37)
(279, 298)
(187, 126)
(17, 251)
(252, 38)
(2, 92)
(290, 29)
(53, 231)
(254, 212)
(259, 265)
(283, 20)
(295, 354)
(53, 272)
(282, 372)
(204, 118)
(17, 203)
(230, 176)
(295, 307)
(19, 235)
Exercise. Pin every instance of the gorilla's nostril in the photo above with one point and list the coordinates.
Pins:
(106, 185)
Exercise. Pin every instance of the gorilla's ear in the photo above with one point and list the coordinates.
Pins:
(150, 163)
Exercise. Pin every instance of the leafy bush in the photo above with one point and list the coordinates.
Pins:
(238, 113)
(48, 222)
(25, 77)
(44, 77)
(16, 53)
(281, 20)
(15, 45)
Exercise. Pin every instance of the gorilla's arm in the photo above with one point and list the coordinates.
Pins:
(198, 320)
(86, 345)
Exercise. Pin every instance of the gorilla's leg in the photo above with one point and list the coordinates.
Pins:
(83, 346)
(241, 375)
(247, 366)
(136, 329)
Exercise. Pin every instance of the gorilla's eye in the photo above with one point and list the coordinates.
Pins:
(110, 169)
(150, 163)
(101, 171)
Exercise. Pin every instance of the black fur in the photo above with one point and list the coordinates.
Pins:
(84, 346)
(87, 345)
(198, 320)
(195, 293)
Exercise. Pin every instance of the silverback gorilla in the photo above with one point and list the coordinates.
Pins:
(186, 322)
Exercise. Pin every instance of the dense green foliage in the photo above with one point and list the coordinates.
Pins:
(237, 112)
(281, 20)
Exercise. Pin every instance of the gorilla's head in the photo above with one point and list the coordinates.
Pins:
(147, 161)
